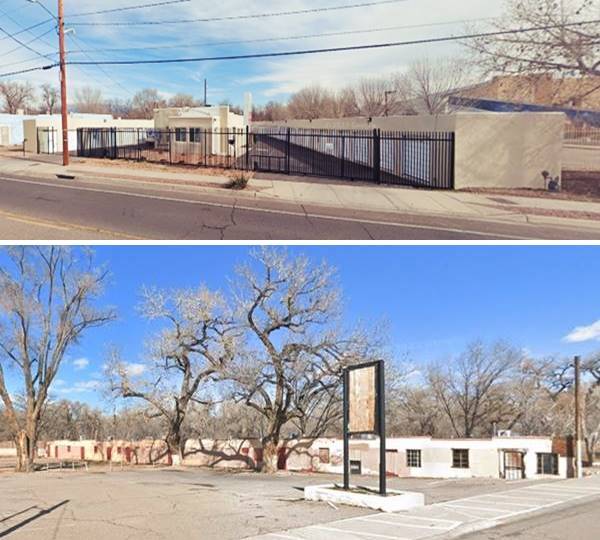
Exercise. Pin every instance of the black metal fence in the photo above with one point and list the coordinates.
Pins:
(405, 158)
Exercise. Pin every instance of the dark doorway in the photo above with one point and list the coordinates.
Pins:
(514, 468)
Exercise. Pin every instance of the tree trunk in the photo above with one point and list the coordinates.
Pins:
(270, 454)
(25, 452)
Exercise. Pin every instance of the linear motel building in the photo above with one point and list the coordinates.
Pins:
(507, 457)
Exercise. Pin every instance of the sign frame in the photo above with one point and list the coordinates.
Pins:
(379, 430)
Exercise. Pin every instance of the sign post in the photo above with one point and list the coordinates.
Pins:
(364, 412)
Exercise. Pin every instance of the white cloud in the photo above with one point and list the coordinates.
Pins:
(584, 333)
(81, 363)
(78, 387)
(134, 369)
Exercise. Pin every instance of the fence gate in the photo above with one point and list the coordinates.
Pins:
(514, 468)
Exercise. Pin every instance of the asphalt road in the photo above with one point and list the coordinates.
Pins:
(88, 210)
(580, 522)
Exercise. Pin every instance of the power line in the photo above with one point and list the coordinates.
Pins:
(23, 44)
(323, 50)
(24, 29)
(335, 49)
(33, 40)
(128, 8)
(30, 70)
(239, 17)
(288, 38)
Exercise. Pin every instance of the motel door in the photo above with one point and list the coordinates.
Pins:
(514, 468)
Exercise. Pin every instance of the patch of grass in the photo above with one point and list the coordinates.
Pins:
(238, 182)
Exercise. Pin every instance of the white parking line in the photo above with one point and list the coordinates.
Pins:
(453, 521)
(372, 535)
(477, 508)
(407, 525)
(514, 504)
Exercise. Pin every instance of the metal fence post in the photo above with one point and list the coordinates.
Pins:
(287, 150)
(376, 156)
(346, 420)
(169, 135)
(452, 159)
(343, 158)
(247, 147)
(114, 143)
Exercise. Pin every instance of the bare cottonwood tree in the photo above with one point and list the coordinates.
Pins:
(311, 103)
(375, 97)
(193, 348)
(428, 84)
(145, 101)
(90, 100)
(562, 51)
(47, 303)
(182, 100)
(471, 391)
(289, 369)
(15, 96)
(49, 98)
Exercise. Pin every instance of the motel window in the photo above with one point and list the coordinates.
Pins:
(181, 134)
(413, 458)
(547, 464)
(68, 448)
(195, 134)
(324, 455)
(460, 458)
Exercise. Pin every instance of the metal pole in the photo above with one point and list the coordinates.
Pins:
(63, 83)
(382, 441)
(346, 436)
(578, 450)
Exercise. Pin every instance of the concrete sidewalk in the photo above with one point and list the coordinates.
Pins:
(323, 192)
(453, 518)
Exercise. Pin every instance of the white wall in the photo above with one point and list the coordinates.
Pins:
(492, 149)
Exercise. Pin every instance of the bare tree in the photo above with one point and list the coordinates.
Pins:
(15, 96)
(191, 350)
(564, 51)
(182, 100)
(90, 100)
(373, 94)
(270, 112)
(46, 304)
(472, 391)
(311, 103)
(289, 369)
(427, 84)
(145, 102)
(49, 98)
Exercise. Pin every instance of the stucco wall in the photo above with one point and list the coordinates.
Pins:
(492, 149)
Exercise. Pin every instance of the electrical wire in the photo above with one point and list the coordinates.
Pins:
(33, 26)
(128, 8)
(461, 37)
(240, 17)
(289, 38)
(335, 49)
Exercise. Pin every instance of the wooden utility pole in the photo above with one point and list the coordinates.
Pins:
(63, 83)
(578, 449)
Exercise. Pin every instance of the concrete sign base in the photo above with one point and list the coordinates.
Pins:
(395, 501)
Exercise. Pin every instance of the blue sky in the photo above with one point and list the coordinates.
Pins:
(266, 78)
(437, 299)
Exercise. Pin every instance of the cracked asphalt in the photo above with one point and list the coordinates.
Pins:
(174, 503)
(33, 208)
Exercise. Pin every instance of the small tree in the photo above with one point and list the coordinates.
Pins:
(145, 102)
(191, 349)
(289, 367)
(15, 96)
(49, 98)
(47, 299)
(182, 100)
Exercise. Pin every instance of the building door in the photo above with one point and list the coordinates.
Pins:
(82, 453)
(514, 468)
(281, 459)
(108, 453)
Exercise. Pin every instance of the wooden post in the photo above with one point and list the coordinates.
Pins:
(63, 83)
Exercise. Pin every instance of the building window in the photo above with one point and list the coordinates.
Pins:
(460, 458)
(195, 134)
(68, 448)
(413, 458)
(355, 466)
(324, 455)
(181, 134)
(547, 464)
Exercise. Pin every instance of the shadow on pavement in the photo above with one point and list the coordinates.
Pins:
(40, 513)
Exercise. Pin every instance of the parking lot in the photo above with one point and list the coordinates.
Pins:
(184, 503)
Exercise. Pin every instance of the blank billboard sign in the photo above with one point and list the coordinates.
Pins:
(362, 396)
